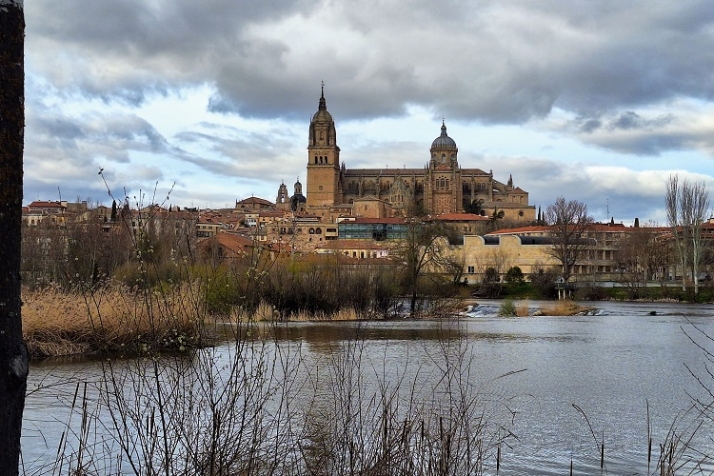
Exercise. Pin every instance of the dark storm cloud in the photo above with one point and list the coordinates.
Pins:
(632, 133)
(627, 194)
(92, 136)
(490, 61)
(235, 153)
(67, 151)
(632, 120)
(627, 120)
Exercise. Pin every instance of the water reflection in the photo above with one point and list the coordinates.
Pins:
(563, 386)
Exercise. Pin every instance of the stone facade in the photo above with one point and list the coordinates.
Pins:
(441, 186)
(531, 248)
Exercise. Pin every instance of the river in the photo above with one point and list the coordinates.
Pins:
(554, 390)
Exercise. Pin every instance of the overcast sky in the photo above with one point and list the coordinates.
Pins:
(208, 102)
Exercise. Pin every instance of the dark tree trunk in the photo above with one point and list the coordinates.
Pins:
(13, 353)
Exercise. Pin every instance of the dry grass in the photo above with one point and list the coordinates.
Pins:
(522, 309)
(265, 312)
(112, 319)
(341, 315)
(562, 308)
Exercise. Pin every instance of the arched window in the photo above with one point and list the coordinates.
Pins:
(315, 159)
(318, 230)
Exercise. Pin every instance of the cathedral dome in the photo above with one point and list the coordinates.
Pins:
(322, 115)
(298, 200)
(443, 141)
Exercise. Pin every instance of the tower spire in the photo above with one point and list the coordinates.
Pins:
(323, 103)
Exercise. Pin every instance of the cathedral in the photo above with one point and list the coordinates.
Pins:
(440, 187)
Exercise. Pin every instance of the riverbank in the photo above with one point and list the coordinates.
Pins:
(611, 365)
(116, 320)
(112, 320)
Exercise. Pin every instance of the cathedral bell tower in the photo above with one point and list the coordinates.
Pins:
(443, 191)
(323, 159)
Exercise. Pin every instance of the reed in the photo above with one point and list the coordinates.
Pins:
(522, 309)
(510, 309)
(562, 308)
(111, 319)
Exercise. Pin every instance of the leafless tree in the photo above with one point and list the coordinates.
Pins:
(453, 264)
(13, 353)
(636, 258)
(569, 221)
(421, 250)
(687, 207)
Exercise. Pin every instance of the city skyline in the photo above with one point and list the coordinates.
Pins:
(595, 102)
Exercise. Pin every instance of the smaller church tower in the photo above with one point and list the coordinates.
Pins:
(323, 159)
(282, 194)
(298, 200)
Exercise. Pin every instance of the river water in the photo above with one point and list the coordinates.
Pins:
(554, 389)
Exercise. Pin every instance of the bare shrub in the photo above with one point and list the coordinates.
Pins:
(257, 407)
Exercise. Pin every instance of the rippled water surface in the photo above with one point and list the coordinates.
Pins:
(562, 385)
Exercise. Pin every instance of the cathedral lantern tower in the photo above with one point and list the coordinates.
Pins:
(323, 159)
(443, 188)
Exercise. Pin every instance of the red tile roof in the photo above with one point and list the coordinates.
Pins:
(254, 201)
(351, 244)
(386, 221)
(43, 204)
(460, 217)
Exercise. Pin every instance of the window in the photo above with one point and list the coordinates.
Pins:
(470, 269)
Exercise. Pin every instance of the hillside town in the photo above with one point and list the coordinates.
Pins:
(361, 215)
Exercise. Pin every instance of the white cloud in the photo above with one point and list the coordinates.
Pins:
(592, 100)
